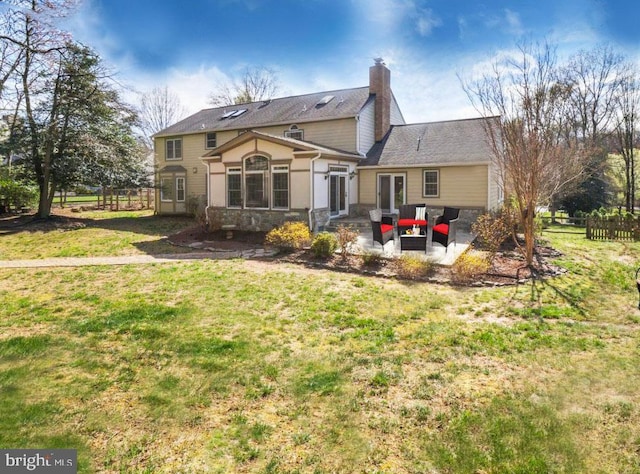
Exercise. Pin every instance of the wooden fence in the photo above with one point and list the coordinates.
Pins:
(110, 198)
(613, 228)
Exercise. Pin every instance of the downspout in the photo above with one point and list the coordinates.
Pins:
(208, 188)
(312, 189)
(358, 134)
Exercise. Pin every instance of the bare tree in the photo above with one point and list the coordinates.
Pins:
(627, 136)
(255, 84)
(159, 108)
(523, 98)
(593, 78)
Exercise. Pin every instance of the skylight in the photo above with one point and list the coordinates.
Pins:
(238, 113)
(326, 99)
(228, 114)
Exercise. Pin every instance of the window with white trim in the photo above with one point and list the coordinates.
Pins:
(234, 187)
(294, 132)
(431, 183)
(180, 189)
(174, 148)
(256, 182)
(211, 140)
(280, 179)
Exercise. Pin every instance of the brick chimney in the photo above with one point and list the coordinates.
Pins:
(380, 86)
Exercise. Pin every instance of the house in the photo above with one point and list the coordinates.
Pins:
(320, 156)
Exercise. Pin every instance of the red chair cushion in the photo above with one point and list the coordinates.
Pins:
(385, 228)
(441, 229)
(411, 223)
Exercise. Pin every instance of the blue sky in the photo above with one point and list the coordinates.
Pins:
(317, 45)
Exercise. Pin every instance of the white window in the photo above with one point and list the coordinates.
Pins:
(234, 187)
(211, 140)
(256, 182)
(294, 132)
(172, 188)
(280, 179)
(174, 149)
(166, 189)
(431, 183)
(180, 189)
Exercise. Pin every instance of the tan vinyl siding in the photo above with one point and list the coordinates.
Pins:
(340, 134)
(461, 186)
(367, 188)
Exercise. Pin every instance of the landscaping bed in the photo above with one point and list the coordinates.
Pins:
(508, 266)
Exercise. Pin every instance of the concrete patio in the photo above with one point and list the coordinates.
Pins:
(435, 252)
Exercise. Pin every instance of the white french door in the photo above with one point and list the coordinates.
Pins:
(391, 192)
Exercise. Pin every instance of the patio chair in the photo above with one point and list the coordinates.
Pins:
(381, 226)
(444, 229)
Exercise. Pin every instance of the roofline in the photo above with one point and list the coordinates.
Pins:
(447, 121)
(337, 91)
(425, 165)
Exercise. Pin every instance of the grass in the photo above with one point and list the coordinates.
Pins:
(245, 366)
(94, 233)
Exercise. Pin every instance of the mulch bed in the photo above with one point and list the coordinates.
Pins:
(508, 267)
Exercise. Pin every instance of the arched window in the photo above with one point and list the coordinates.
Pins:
(294, 132)
(256, 181)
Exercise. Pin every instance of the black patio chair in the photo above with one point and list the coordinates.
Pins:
(381, 226)
(444, 228)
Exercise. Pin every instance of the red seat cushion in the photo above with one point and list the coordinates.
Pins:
(441, 229)
(386, 228)
(411, 223)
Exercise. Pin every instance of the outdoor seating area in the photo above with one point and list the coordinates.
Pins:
(414, 233)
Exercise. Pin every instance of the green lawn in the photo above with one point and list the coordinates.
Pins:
(91, 234)
(247, 366)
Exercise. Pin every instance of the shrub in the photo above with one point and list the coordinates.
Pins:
(493, 229)
(197, 207)
(371, 259)
(15, 194)
(289, 236)
(469, 266)
(347, 238)
(413, 267)
(324, 245)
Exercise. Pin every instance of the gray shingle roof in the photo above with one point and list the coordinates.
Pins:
(285, 110)
(435, 143)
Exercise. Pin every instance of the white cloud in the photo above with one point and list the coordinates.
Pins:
(426, 22)
(513, 23)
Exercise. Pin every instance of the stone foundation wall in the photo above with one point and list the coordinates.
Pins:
(253, 220)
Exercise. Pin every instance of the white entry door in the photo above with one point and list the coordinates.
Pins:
(338, 199)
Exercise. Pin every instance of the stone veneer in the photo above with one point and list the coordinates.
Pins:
(253, 220)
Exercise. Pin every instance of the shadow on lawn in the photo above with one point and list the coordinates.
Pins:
(539, 283)
(148, 225)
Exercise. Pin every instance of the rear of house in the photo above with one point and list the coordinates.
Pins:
(320, 156)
